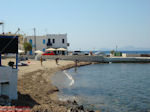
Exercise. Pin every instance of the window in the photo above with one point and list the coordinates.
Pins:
(53, 40)
(30, 41)
(43, 41)
(63, 40)
(49, 40)
(43, 49)
(30, 52)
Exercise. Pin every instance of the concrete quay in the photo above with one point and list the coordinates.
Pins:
(127, 60)
(102, 59)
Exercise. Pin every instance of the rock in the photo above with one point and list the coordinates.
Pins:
(97, 111)
(81, 107)
(68, 110)
(75, 103)
(91, 111)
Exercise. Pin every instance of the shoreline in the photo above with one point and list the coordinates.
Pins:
(36, 90)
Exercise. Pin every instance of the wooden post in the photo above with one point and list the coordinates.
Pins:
(0, 60)
(16, 60)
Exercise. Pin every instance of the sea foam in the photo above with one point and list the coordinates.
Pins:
(69, 77)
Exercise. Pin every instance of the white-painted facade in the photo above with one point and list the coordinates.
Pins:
(130, 55)
(8, 82)
(48, 41)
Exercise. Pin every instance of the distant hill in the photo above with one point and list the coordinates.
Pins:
(126, 48)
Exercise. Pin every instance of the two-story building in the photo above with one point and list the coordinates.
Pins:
(48, 41)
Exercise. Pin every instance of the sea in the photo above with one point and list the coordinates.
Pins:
(113, 87)
(128, 52)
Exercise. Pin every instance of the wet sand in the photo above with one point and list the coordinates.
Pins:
(35, 88)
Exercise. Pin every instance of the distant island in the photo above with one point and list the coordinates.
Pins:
(127, 48)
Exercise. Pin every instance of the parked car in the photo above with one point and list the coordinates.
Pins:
(100, 54)
(49, 53)
(86, 53)
(78, 53)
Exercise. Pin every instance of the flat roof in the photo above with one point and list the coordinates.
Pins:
(8, 35)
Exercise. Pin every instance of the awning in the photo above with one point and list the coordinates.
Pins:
(61, 49)
(50, 49)
(20, 51)
(39, 52)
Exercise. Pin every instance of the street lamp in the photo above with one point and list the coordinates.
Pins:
(1, 23)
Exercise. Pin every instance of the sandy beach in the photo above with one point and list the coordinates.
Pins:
(35, 88)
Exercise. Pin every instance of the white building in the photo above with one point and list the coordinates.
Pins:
(8, 82)
(48, 41)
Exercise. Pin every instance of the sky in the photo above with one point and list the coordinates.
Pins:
(90, 24)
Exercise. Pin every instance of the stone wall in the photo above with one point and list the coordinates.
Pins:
(79, 58)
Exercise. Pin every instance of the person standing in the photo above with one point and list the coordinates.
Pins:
(57, 60)
(41, 59)
(76, 65)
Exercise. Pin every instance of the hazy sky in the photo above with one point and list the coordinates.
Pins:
(90, 24)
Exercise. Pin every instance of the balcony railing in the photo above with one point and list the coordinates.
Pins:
(49, 44)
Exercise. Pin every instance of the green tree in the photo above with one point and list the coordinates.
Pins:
(112, 51)
(27, 47)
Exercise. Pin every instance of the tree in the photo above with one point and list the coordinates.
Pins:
(112, 51)
(27, 47)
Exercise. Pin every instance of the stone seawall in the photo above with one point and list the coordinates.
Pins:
(79, 58)
(102, 59)
(86, 58)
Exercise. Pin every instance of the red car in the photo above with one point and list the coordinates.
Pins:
(49, 53)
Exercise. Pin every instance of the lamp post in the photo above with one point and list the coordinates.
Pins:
(1, 23)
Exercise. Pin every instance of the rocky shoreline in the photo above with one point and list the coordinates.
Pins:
(36, 90)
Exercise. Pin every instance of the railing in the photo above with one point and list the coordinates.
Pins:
(49, 44)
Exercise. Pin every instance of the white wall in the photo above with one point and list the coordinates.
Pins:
(7, 74)
(58, 40)
(39, 41)
(130, 55)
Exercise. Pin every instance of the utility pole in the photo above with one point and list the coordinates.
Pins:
(116, 48)
(35, 39)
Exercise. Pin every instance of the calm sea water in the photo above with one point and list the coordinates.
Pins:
(128, 52)
(108, 87)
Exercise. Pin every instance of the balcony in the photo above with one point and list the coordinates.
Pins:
(49, 44)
